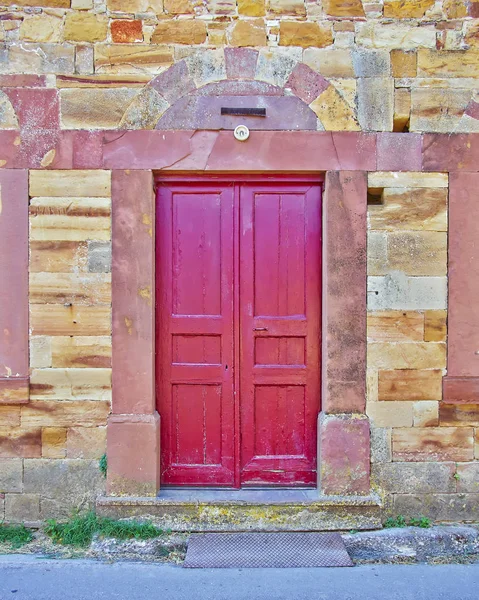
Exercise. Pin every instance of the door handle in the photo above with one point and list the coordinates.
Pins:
(260, 329)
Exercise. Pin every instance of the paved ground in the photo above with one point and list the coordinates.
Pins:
(30, 578)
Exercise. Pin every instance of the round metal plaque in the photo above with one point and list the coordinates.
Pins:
(241, 133)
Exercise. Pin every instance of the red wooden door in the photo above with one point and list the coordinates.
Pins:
(280, 332)
(238, 332)
(195, 333)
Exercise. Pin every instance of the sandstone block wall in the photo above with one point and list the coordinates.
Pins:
(393, 65)
(50, 446)
(339, 65)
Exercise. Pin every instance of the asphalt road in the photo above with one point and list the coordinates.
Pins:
(25, 577)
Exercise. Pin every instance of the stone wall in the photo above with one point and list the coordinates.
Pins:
(71, 69)
(50, 447)
(402, 65)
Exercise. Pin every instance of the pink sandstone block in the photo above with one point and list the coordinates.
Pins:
(344, 292)
(16, 81)
(451, 152)
(344, 447)
(463, 308)
(301, 151)
(306, 83)
(14, 274)
(355, 151)
(472, 109)
(460, 390)
(174, 83)
(133, 450)
(399, 151)
(133, 292)
(241, 63)
(36, 108)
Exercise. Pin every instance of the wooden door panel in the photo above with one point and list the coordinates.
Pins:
(280, 275)
(195, 333)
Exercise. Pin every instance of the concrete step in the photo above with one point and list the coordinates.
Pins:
(248, 510)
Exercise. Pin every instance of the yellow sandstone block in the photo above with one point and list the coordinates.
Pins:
(395, 326)
(417, 253)
(448, 63)
(390, 414)
(54, 441)
(435, 325)
(80, 351)
(406, 355)
(426, 414)
(79, 413)
(58, 257)
(85, 27)
(40, 352)
(251, 8)
(132, 58)
(70, 384)
(249, 33)
(343, 8)
(419, 209)
(69, 184)
(70, 219)
(191, 31)
(287, 7)
(433, 444)
(390, 179)
(410, 385)
(21, 442)
(41, 28)
(406, 9)
(72, 288)
(86, 442)
(403, 64)
(304, 34)
(10, 416)
(57, 319)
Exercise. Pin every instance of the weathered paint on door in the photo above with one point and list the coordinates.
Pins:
(238, 331)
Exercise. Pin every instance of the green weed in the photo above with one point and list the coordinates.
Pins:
(400, 521)
(79, 530)
(103, 465)
(16, 535)
(423, 522)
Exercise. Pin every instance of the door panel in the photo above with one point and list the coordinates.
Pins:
(195, 333)
(280, 272)
(238, 332)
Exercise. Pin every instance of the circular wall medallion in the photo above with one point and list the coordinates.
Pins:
(241, 133)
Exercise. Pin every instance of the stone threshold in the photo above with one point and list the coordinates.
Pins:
(248, 510)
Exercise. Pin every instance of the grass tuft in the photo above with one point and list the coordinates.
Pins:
(79, 530)
(16, 535)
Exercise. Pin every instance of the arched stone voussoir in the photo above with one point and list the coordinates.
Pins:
(145, 110)
(246, 72)
(334, 112)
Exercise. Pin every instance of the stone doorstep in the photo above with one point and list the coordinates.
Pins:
(308, 513)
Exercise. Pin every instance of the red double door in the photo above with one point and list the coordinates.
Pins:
(238, 331)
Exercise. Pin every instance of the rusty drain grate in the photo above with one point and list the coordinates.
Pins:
(260, 550)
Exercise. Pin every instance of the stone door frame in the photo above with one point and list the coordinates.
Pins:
(133, 431)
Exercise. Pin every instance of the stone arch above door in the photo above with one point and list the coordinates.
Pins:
(189, 94)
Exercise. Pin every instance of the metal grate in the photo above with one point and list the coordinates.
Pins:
(256, 550)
